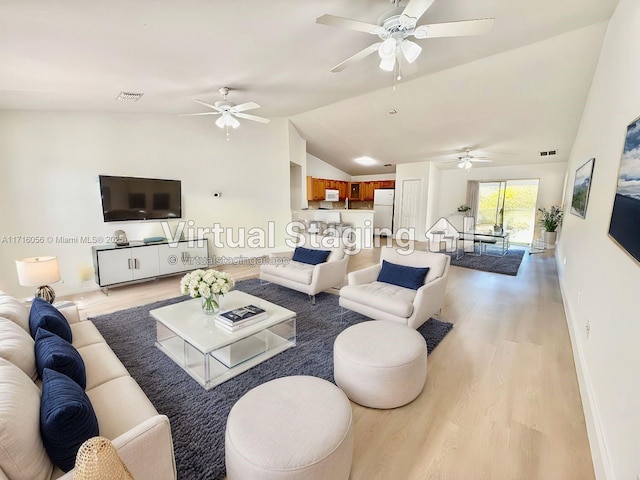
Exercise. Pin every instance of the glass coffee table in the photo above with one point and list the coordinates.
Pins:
(211, 355)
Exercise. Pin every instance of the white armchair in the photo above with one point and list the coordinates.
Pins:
(384, 301)
(311, 279)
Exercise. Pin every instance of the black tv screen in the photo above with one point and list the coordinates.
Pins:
(133, 198)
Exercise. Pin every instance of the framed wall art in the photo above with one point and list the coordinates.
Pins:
(625, 216)
(581, 188)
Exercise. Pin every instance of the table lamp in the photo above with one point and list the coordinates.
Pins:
(39, 272)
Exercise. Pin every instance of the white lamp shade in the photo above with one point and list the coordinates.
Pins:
(37, 271)
(387, 64)
(411, 50)
(387, 48)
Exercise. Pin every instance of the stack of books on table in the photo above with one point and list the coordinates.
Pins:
(234, 320)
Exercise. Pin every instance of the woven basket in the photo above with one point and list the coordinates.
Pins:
(97, 459)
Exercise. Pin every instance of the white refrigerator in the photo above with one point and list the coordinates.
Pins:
(383, 212)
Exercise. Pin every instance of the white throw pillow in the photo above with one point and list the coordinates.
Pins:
(22, 454)
(17, 347)
(14, 310)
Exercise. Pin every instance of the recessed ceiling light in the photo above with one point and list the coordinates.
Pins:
(129, 96)
(365, 161)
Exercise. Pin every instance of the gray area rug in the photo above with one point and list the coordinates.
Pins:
(506, 265)
(198, 417)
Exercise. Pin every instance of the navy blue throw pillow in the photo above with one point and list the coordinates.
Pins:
(312, 257)
(57, 354)
(67, 418)
(46, 316)
(408, 277)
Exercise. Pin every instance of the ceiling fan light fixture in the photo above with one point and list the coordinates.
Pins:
(388, 64)
(421, 32)
(388, 48)
(220, 122)
(410, 50)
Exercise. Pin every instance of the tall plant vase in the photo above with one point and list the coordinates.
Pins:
(549, 238)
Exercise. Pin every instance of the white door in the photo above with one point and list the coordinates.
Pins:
(115, 266)
(145, 262)
(410, 205)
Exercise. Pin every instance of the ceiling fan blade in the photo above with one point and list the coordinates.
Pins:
(252, 117)
(454, 29)
(245, 106)
(475, 159)
(334, 21)
(416, 8)
(205, 113)
(357, 57)
(206, 104)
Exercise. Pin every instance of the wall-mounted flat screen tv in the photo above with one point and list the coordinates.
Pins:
(133, 198)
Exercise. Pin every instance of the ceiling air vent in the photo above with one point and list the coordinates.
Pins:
(129, 96)
(548, 152)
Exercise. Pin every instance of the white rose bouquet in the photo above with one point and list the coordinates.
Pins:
(208, 285)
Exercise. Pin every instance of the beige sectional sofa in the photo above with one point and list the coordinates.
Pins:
(125, 415)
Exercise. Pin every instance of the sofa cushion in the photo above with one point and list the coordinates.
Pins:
(67, 418)
(46, 316)
(402, 276)
(14, 310)
(294, 271)
(16, 346)
(22, 456)
(108, 401)
(382, 296)
(101, 364)
(85, 333)
(310, 255)
(57, 354)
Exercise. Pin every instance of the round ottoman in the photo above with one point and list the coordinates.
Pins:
(380, 364)
(290, 428)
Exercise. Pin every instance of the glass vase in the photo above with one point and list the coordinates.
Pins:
(211, 305)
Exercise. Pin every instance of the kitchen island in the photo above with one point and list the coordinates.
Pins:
(360, 235)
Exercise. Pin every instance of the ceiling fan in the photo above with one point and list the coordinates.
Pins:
(466, 160)
(394, 29)
(229, 110)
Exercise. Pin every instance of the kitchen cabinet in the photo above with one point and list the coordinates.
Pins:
(343, 189)
(355, 190)
(319, 185)
(309, 188)
(387, 184)
(367, 190)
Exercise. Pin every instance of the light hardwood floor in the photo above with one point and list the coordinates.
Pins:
(501, 399)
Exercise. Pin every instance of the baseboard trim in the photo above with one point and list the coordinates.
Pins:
(597, 442)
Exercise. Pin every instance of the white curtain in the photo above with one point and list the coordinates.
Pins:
(473, 191)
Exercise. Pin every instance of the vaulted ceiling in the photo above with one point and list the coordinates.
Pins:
(509, 93)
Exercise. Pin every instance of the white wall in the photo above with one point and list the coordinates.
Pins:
(452, 187)
(600, 281)
(317, 168)
(297, 156)
(373, 178)
(49, 183)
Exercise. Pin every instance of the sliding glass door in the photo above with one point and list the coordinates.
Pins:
(508, 205)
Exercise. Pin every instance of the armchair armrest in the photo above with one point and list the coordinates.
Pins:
(146, 450)
(366, 275)
(329, 274)
(428, 300)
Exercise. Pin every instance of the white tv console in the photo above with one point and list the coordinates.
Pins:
(117, 265)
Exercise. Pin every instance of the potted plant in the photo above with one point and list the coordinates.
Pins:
(464, 208)
(550, 220)
(209, 285)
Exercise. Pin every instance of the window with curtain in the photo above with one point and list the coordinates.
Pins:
(508, 205)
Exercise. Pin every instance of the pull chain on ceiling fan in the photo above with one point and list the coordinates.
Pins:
(228, 111)
(394, 29)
